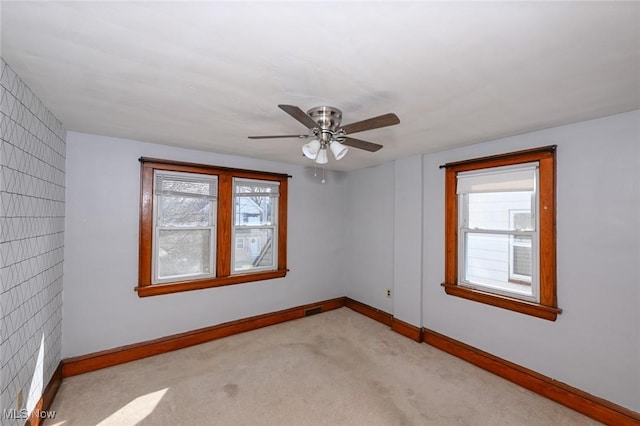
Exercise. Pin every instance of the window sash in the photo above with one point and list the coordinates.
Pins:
(496, 179)
(160, 177)
(255, 188)
(273, 248)
(504, 287)
(208, 264)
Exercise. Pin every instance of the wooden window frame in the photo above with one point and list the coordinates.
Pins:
(224, 224)
(547, 308)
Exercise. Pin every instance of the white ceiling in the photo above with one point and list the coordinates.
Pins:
(206, 75)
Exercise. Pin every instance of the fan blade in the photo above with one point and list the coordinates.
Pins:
(357, 143)
(372, 123)
(279, 136)
(299, 115)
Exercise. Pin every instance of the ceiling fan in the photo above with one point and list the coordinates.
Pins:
(324, 127)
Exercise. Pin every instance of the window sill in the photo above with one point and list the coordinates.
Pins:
(176, 287)
(529, 308)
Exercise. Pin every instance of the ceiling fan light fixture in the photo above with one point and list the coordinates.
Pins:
(322, 157)
(339, 150)
(310, 150)
(324, 124)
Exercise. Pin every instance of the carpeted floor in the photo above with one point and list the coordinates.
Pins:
(335, 368)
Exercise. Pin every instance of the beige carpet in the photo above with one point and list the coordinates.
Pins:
(335, 368)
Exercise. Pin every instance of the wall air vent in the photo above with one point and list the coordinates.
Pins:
(312, 311)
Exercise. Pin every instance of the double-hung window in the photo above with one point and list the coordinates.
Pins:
(500, 231)
(493, 250)
(206, 226)
(184, 226)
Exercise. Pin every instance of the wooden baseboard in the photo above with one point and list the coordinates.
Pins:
(407, 330)
(580, 401)
(369, 311)
(399, 326)
(98, 360)
(45, 401)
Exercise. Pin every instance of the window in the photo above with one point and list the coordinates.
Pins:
(205, 226)
(255, 213)
(239, 243)
(184, 226)
(500, 231)
(488, 237)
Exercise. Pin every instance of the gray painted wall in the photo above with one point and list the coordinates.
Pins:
(595, 343)
(407, 225)
(101, 309)
(384, 237)
(32, 163)
(369, 245)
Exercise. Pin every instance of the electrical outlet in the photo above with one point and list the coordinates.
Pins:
(19, 399)
(388, 292)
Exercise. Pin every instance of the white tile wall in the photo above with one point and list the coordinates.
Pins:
(32, 204)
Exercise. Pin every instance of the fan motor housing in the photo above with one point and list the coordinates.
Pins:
(328, 118)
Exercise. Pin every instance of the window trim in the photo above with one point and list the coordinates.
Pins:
(224, 225)
(547, 308)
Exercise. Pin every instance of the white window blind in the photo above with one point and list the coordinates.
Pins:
(195, 186)
(252, 188)
(498, 179)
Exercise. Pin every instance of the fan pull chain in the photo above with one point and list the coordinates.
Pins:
(323, 179)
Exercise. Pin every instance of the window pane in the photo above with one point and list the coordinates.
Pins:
(254, 210)
(181, 211)
(184, 252)
(490, 262)
(504, 211)
(255, 251)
